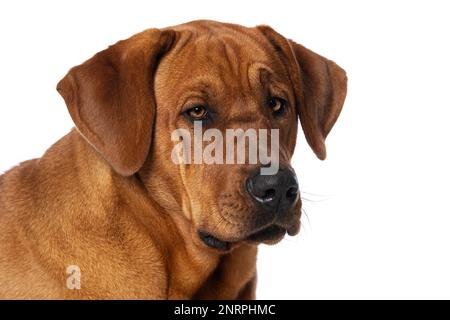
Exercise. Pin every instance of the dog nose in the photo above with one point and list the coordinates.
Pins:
(274, 191)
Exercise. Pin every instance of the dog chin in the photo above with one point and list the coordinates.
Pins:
(270, 235)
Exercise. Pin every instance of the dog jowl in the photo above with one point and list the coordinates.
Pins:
(138, 213)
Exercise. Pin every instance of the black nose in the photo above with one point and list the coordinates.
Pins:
(278, 191)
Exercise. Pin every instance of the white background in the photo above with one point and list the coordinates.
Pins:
(379, 213)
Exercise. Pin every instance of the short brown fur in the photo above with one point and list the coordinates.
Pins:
(107, 197)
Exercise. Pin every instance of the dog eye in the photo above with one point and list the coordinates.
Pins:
(197, 113)
(278, 105)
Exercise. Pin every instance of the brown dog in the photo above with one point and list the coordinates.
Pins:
(108, 199)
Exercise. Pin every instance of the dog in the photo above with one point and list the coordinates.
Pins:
(105, 213)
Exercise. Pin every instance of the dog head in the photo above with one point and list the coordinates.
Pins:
(209, 80)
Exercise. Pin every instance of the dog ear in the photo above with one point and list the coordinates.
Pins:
(320, 87)
(110, 98)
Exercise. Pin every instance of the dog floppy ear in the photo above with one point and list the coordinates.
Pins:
(320, 87)
(110, 98)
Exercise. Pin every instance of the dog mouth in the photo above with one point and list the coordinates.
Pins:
(214, 242)
(268, 235)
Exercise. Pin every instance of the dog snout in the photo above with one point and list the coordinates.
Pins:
(277, 192)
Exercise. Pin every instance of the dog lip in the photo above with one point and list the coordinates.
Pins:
(214, 242)
(293, 230)
(270, 233)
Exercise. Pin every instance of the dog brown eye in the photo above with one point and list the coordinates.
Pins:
(277, 105)
(197, 113)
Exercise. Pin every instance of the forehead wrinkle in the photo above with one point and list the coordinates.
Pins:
(258, 75)
(202, 88)
(230, 63)
(231, 57)
(222, 59)
(232, 53)
(227, 49)
(183, 41)
(245, 56)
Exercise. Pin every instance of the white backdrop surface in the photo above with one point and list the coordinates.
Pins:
(378, 213)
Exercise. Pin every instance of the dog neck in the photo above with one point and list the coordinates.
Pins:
(193, 270)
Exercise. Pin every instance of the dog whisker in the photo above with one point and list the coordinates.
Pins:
(311, 200)
(304, 214)
(314, 197)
